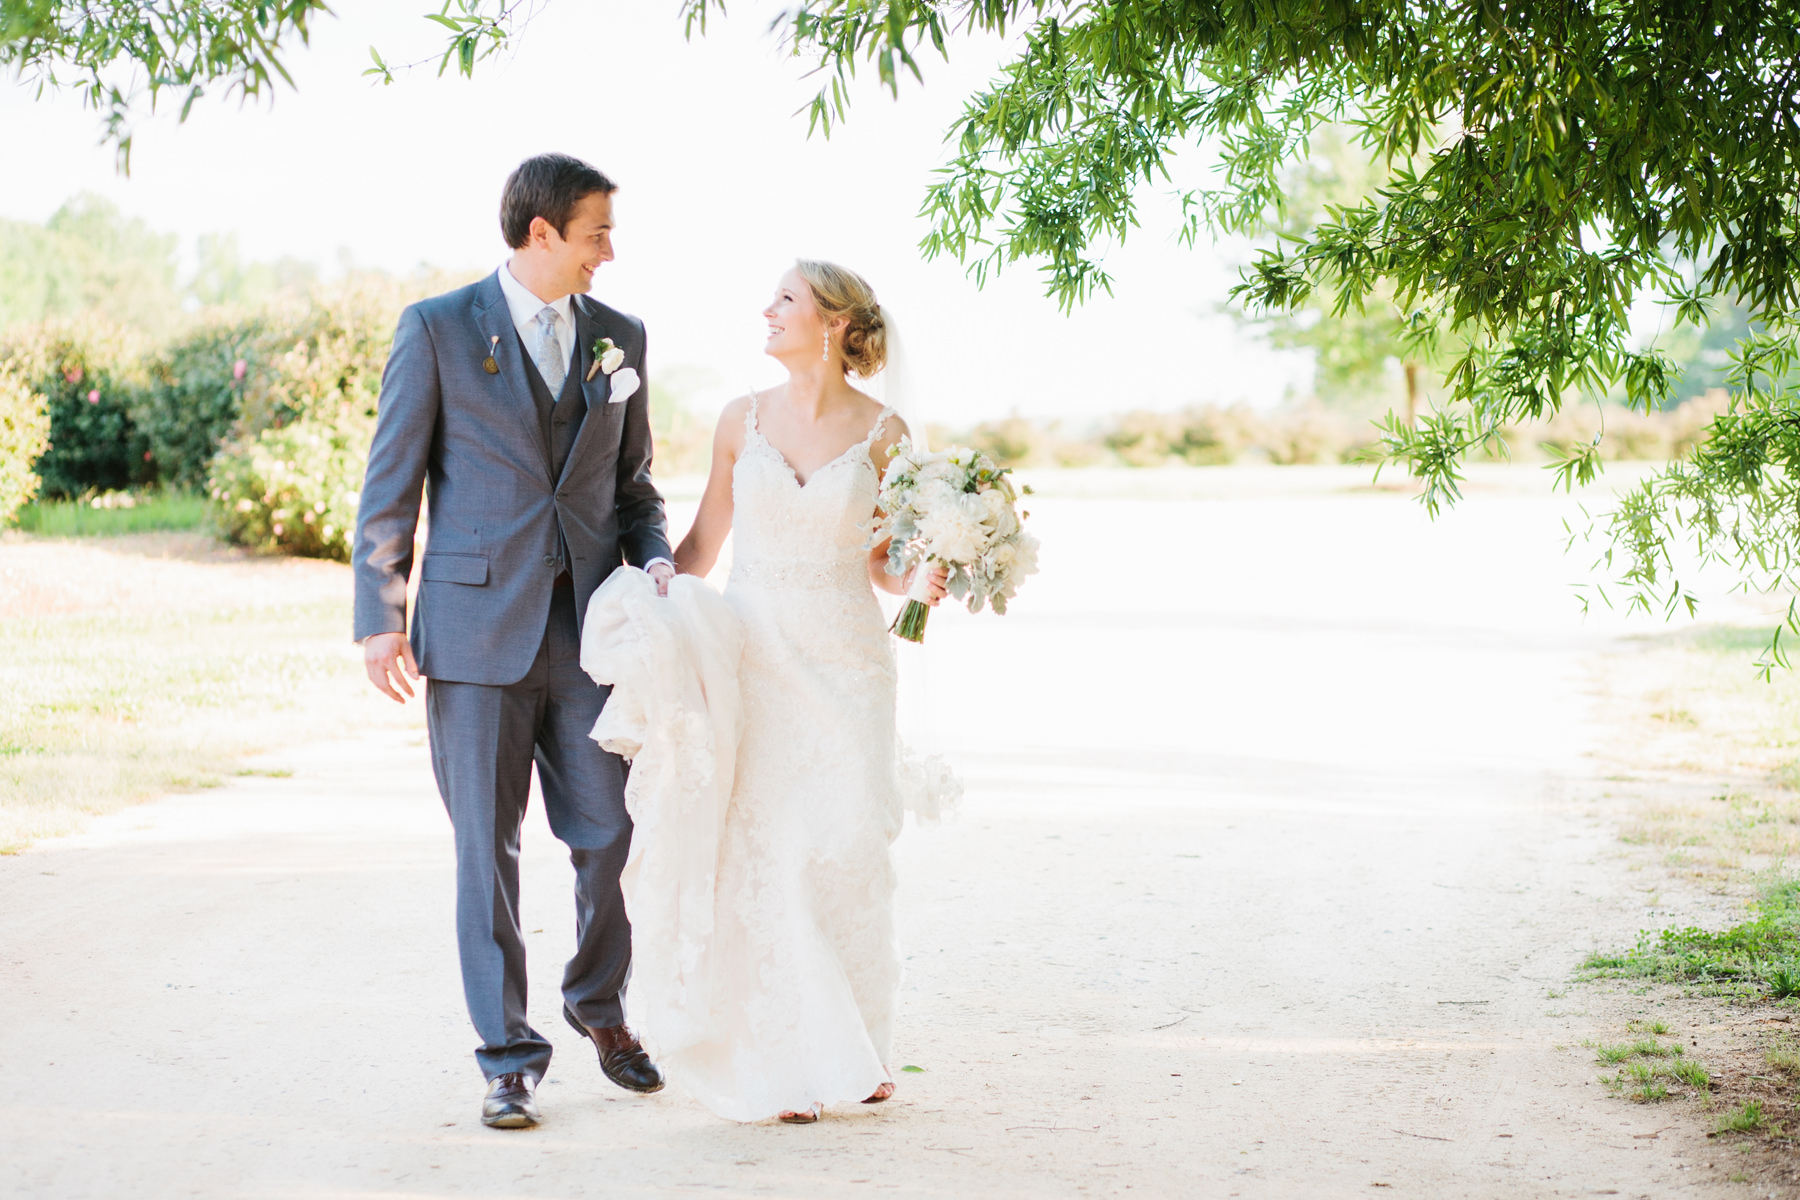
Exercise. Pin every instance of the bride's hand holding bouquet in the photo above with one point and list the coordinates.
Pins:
(951, 513)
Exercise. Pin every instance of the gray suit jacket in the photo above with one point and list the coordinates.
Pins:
(484, 594)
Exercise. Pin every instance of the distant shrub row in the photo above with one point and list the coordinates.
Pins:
(269, 414)
(1213, 436)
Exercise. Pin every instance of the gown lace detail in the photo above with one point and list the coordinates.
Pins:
(804, 965)
(791, 1002)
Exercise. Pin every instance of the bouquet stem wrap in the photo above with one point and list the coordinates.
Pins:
(910, 624)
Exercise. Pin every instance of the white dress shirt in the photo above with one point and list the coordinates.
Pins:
(525, 308)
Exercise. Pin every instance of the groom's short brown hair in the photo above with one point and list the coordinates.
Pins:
(547, 186)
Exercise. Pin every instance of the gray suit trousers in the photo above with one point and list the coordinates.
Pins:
(484, 739)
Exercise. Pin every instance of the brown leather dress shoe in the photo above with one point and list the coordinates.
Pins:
(509, 1103)
(622, 1059)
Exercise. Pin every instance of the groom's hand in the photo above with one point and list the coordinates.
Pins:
(384, 656)
(662, 572)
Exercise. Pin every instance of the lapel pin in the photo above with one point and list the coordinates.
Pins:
(488, 364)
(594, 368)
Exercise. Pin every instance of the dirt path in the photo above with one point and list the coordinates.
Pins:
(1275, 851)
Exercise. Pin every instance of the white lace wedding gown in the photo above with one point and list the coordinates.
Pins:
(782, 995)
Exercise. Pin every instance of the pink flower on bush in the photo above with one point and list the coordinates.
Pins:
(94, 396)
(148, 456)
(73, 375)
(238, 368)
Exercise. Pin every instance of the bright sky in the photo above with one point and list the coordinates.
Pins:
(721, 190)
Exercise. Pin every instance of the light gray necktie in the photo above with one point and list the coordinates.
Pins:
(548, 354)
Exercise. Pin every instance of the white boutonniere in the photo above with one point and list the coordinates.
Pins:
(607, 358)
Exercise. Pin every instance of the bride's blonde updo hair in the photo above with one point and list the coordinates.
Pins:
(839, 292)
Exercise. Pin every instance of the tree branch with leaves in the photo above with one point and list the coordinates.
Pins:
(1550, 162)
(124, 56)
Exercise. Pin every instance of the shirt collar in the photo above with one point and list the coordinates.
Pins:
(525, 306)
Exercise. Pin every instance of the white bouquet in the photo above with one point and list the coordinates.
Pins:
(952, 508)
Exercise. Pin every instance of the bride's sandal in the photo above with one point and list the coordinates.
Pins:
(883, 1092)
(805, 1116)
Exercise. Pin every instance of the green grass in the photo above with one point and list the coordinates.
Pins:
(98, 711)
(1646, 1066)
(1645, 1082)
(1642, 1048)
(1747, 1119)
(119, 513)
(1784, 1056)
(1734, 641)
(1692, 1074)
(1761, 955)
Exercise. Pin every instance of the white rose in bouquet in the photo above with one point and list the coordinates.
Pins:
(955, 528)
(934, 493)
(941, 470)
(1000, 516)
(1021, 553)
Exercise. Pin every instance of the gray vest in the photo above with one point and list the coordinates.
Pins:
(560, 417)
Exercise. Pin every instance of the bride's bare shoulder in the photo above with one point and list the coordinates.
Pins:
(730, 430)
(868, 410)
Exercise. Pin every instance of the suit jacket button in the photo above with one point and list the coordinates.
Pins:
(549, 560)
(562, 495)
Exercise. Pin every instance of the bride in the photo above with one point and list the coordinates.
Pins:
(802, 970)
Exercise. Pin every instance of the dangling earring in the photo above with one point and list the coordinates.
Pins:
(826, 357)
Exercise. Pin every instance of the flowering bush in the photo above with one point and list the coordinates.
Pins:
(328, 360)
(24, 433)
(84, 373)
(294, 488)
(196, 387)
(289, 478)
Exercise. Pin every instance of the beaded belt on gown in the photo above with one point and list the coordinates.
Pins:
(807, 574)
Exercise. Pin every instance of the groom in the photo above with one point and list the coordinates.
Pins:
(521, 406)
